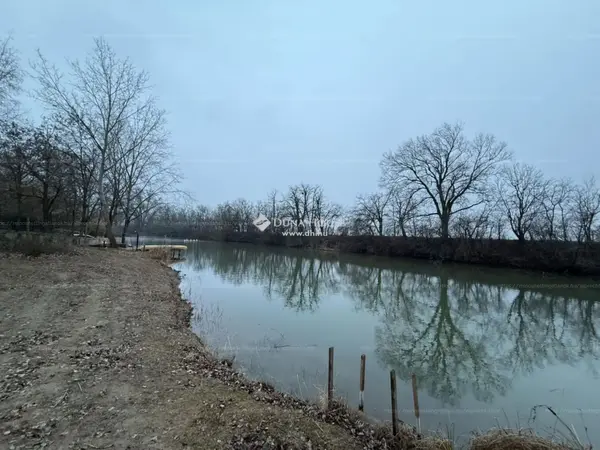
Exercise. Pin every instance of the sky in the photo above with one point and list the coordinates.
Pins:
(265, 94)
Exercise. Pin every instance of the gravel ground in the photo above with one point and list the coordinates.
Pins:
(96, 353)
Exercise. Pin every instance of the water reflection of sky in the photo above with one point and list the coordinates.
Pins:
(484, 354)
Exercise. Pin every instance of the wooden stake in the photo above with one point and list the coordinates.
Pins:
(330, 379)
(394, 403)
(416, 402)
(361, 394)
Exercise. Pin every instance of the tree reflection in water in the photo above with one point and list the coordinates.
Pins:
(458, 335)
(448, 354)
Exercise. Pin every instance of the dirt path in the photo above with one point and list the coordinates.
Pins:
(95, 353)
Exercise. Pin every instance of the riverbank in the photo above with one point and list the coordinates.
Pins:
(97, 352)
(557, 257)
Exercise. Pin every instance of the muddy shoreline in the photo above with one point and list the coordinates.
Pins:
(371, 435)
(98, 353)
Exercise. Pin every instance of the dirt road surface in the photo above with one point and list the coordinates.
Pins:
(95, 353)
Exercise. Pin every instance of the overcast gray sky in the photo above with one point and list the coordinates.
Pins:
(263, 94)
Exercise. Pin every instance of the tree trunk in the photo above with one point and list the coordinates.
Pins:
(103, 210)
(19, 197)
(84, 210)
(110, 235)
(98, 225)
(84, 218)
(445, 222)
(73, 214)
(125, 227)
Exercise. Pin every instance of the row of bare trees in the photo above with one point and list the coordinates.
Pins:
(302, 207)
(444, 184)
(101, 153)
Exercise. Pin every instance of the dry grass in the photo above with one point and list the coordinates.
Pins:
(432, 443)
(525, 439)
(159, 254)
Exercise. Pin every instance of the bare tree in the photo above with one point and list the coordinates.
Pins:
(322, 213)
(497, 221)
(317, 207)
(371, 211)
(296, 205)
(225, 216)
(474, 224)
(46, 164)
(556, 209)
(404, 209)
(201, 219)
(84, 166)
(330, 216)
(11, 77)
(242, 211)
(13, 162)
(141, 167)
(521, 190)
(103, 93)
(273, 203)
(306, 206)
(587, 209)
(445, 167)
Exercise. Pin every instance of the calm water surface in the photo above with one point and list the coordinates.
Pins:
(486, 345)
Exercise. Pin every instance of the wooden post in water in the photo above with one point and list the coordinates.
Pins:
(416, 402)
(330, 380)
(394, 403)
(361, 394)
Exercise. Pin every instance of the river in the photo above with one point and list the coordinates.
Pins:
(486, 345)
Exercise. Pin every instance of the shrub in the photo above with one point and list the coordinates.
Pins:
(34, 244)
